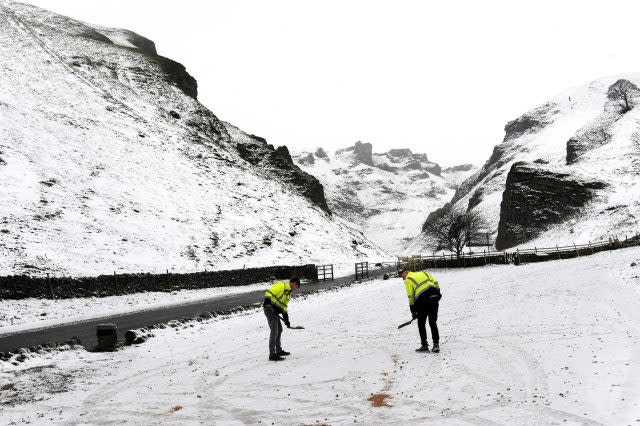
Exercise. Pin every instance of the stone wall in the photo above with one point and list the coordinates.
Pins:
(22, 286)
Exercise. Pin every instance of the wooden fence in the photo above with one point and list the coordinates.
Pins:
(325, 272)
(362, 270)
(536, 254)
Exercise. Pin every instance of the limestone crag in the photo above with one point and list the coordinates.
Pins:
(530, 122)
(386, 194)
(276, 163)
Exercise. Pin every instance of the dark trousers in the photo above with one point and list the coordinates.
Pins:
(276, 330)
(427, 308)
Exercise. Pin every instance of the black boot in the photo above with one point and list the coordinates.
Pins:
(275, 358)
(436, 347)
(282, 352)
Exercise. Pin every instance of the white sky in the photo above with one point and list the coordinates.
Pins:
(441, 78)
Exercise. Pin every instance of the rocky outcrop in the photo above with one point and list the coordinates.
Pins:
(127, 38)
(277, 164)
(458, 168)
(176, 74)
(307, 159)
(530, 122)
(321, 153)
(621, 98)
(363, 152)
(535, 199)
(593, 135)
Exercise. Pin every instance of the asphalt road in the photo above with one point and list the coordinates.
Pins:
(86, 330)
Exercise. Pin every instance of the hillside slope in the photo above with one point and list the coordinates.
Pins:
(386, 194)
(565, 171)
(109, 163)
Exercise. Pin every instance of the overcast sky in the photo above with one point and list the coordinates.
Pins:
(440, 78)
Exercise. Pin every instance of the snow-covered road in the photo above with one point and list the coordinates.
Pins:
(548, 343)
(31, 313)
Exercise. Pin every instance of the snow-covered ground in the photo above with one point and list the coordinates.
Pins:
(547, 343)
(17, 315)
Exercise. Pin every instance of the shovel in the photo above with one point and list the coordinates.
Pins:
(297, 327)
(404, 324)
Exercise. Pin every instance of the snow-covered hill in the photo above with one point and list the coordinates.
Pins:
(109, 163)
(516, 350)
(565, 171)
(387, 195)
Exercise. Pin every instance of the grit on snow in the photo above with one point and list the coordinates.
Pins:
(548, 343)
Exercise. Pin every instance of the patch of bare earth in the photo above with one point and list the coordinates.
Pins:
(380, 399)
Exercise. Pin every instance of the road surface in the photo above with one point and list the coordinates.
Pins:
(86, 330)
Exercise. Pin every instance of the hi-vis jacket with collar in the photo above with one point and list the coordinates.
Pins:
(279, 295)
(421, 284)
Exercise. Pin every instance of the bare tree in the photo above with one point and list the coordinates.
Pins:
(625, 93)
(454, 229)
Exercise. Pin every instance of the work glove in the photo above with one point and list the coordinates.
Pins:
(285, 318)
(414, 315)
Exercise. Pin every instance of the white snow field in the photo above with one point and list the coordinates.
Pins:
(546, 343)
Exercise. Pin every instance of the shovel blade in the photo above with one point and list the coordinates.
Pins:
(404, 324)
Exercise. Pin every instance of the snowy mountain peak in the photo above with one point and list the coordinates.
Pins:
(386, 194)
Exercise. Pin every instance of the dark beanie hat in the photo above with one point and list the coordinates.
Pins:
(295, 280)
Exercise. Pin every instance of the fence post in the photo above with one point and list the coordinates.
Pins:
(115, 279)
(576, 249)
(53, 296)
(590, 247)
(558, 250)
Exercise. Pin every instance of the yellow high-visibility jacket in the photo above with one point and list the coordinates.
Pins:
(279, 295)
(418, 283)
